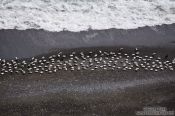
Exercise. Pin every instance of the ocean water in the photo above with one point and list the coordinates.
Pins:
(77, 15)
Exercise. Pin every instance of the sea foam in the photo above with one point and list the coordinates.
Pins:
(77, 15)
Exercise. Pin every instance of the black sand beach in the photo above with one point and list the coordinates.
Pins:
(87, 92)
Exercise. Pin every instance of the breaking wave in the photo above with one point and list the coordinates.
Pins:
(77, 15)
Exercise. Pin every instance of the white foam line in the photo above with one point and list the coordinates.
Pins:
(77, 15)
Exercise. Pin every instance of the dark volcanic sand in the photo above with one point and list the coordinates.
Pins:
(31, 42)
(85, 92)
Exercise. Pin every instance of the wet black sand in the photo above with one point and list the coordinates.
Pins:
(28, 43)
(86, 92)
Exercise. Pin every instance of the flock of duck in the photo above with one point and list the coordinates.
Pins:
(76, 61)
